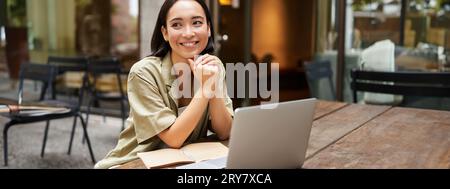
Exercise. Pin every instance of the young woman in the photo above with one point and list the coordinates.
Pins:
(182, 33)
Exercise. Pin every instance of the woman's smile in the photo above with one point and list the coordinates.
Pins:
(189, 44)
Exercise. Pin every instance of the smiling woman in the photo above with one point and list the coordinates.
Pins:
(187, 30)
(182, 38)
(172, 21)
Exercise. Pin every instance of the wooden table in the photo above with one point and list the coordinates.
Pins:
(7, 101)
(398, 138)
(329, 129)
(324, 108)
(369, 136)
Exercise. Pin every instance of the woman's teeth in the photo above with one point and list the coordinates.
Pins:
(190, 44)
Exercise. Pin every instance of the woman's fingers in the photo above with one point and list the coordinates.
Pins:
(191, 64)
(210, 68)
(209, 59)
(205, 59)
(209, 64)
(198, 59)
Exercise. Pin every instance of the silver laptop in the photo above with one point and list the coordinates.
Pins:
(267, 138)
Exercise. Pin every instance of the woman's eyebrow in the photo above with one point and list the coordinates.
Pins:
(193, 18)
(197, 17)
(176, 19)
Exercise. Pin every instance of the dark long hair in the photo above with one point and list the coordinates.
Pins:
(161, 47)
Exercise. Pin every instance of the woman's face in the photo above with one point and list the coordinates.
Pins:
(187, 29)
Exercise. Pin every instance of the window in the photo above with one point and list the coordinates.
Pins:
(427, 22)
(2, 36)
(124, 30)
(374, 20)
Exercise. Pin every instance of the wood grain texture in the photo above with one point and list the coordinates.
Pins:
(332, 127)
(7, 101)
(324, 108)
(399, 138)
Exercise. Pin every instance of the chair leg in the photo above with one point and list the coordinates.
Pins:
(5, 142)
(122, 113)
(88, 111)
(44, 142)
(72, 134)
(53, 91)
(83, 124)
(87, 115)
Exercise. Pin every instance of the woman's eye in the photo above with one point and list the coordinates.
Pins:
(198, 23)
(176, 25)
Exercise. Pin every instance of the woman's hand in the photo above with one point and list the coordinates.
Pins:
(208, 71)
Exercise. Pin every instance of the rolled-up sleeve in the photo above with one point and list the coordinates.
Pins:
(229, 105)
(150, 114)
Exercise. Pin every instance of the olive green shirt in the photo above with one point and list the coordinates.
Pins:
(152, 110)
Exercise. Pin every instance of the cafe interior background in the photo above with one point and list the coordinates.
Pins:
(288, 32)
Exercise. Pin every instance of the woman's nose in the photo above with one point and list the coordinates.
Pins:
(188, 32)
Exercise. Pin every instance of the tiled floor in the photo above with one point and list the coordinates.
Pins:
(25, 141)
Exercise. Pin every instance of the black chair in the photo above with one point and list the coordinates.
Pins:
(74, 64)
(401, 83)
(101, 66)
(45, 74)
(65, 64)
(316, 71)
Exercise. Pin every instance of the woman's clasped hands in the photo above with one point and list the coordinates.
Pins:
(208, 72)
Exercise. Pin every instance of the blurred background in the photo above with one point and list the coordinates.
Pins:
(287, 32)
(291, 33)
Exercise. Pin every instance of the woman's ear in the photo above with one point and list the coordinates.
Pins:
(165, 33)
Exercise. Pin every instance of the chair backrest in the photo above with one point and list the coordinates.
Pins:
(106, 65)
(69, 63)
(316, 71)
(401, 83)
(37, 72)
(78, 64)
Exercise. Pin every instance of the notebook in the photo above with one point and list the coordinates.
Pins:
(191, 153)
